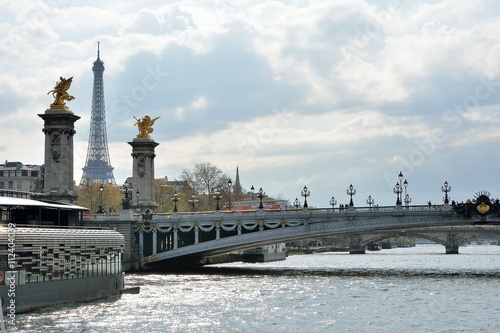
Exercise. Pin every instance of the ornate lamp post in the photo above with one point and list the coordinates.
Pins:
(370, 201)
(407, 196)
(229, 184)
(333, 202)
(193, 202)
(100, 209)
(407, 199)
(296, 203)
(126, 201)
(400, 177)
(217, 197)
(137, 194)
(252, 189)
(397, 190)
(175, 198)
(351, 191)
(305, 193)
(446, 188)
(261, 195)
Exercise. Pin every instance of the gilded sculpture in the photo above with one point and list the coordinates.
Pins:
(60, 94)
(145, 127)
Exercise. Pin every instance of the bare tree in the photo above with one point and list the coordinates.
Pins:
(205, 178)
(190, 179)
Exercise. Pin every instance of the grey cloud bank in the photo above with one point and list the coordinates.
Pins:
(316, 93)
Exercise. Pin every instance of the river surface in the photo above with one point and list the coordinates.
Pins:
(417, 289)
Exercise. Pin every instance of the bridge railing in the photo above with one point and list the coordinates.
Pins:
(415, 208)
(375, 210)
(337, 210)
(101, 217)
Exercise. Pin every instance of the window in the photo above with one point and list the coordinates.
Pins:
(19, 185)
(2, 184)
(11, 185)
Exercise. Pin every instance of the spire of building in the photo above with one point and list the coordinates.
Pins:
(98, 165)
(238, 193)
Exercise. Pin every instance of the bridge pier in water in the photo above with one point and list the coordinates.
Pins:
(357, 250)
(452, 241)
(451, 249)
(356, 244)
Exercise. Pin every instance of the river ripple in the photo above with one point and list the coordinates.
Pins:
(414, 290)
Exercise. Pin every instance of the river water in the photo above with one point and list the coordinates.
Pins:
(417, 289)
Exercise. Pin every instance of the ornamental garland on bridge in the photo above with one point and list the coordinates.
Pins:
(185, 229)
(147, 227)
(481, 205)
(229, 228)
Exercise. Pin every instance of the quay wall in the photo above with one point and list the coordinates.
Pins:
(124, 224)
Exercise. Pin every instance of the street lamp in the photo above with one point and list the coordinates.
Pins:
(400, 177)
(305, 193)
(370, 201)
(126, 202)
(217, 197)
(252, 189)
(351, 191)
(407, 199)
(229, 184)
(193, 202)
(261, 195)
(175, 198)
(333, 202)
(100, 210)
(407, 196)
(296, 203)
(397, 190)
(446, 188)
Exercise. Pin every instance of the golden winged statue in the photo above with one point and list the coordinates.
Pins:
(60, 94)
(144, 126)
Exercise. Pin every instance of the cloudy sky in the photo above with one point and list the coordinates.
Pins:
(317, 93)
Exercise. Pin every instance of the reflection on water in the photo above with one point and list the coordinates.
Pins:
(422, 260)
(416, 289)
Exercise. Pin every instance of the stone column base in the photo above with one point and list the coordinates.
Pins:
(451, 249)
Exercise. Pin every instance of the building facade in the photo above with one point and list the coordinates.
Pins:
(20, 177)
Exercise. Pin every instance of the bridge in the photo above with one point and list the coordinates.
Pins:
(191, 237)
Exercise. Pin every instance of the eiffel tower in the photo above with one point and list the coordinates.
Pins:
(98, 166)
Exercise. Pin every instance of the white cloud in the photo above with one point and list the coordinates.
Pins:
(199, 103)
(323, 93)
(145, 22)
